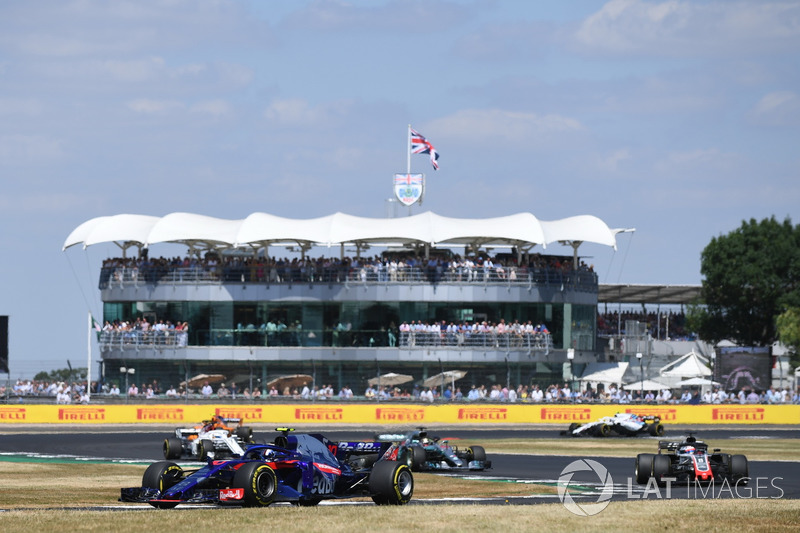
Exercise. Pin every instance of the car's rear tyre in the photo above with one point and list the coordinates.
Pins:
(661, 467)
(605, 430)
(391, 483)
(656, 429)
(259, 483)
(245, 434)
(204, 447)
(643, 467)
(415, 457)
(172, 448)
(739, 469)
(476, 453)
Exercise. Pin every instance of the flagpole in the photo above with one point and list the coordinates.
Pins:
(408, 151)
(89, 358)
(408, 159)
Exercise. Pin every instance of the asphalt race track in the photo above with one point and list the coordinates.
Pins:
(769, 479)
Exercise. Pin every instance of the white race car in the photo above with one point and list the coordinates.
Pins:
(625, 424)
(215, 437)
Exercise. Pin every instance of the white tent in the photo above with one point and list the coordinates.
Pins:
(694, 382)
(648, 385)
(691, 365)
(604, 373)
(259, 229)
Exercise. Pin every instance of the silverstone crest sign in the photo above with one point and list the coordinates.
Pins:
(409, 187)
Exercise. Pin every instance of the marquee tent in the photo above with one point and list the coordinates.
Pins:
(522, 230)
(604, 373)
(691, 365)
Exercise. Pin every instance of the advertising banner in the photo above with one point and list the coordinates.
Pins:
(387, 414)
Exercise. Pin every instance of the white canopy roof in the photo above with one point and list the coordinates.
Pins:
(648, 385)
(690, 365)
(604, 372)
(522, 229)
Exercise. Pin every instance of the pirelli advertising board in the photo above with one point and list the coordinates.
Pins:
(392, 414)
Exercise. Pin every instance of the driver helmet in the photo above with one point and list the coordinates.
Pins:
(425, 441)
(689, 449)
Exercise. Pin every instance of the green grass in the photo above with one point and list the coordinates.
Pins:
(52, 496)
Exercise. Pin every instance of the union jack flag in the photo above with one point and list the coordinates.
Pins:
(421, 145)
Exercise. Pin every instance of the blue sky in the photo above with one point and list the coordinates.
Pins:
(679, 119)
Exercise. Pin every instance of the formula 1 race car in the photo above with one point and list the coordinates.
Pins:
(303, 469)
(625, 424)
(420, 452)
(689, 460)
(216, 436)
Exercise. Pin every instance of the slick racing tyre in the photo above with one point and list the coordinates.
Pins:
(476, 453)
(173, 448)
(572, 427)
(259, 483)
(739, 469)
(643, 467)
(391, 483)
(661, 467)
(245, 434)
(204, 447)
(415, 457)
(605, 430)
(656, 429)
(161, 476)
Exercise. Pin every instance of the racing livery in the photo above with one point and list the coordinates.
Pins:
(217, 436)
(420, 452)
(689, 460)
(625, 424)
(303, 469)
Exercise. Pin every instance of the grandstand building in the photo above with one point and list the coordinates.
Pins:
(418, 295)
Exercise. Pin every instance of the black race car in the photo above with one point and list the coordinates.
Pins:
(303, 469)
(689, 460)
(421, 452)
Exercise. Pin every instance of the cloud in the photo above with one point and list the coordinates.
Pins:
(690, 29)
(297, 112)
(408, 16)
(499, 125)
(212, 107)
(20, 106)
(778, 108)
(96, 28)
(153, 107)
(28, 149)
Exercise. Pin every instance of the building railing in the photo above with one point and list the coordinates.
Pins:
(512, 341)
(123, 276)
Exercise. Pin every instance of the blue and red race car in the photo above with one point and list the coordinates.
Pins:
(303, 469)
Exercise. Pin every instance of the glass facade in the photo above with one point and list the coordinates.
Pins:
(316, 323)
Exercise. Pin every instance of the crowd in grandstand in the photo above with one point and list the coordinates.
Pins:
(76, 393)
(669, 325)
(387, 268)
(140, 331)
(500, 334)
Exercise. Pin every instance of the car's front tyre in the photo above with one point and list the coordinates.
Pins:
(259, 482)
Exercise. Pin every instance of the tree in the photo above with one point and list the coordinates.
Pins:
(751, 276)
(62, 374)
(788, 326)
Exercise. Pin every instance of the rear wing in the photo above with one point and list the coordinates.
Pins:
(668, 445)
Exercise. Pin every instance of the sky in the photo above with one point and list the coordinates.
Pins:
(677, 118)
